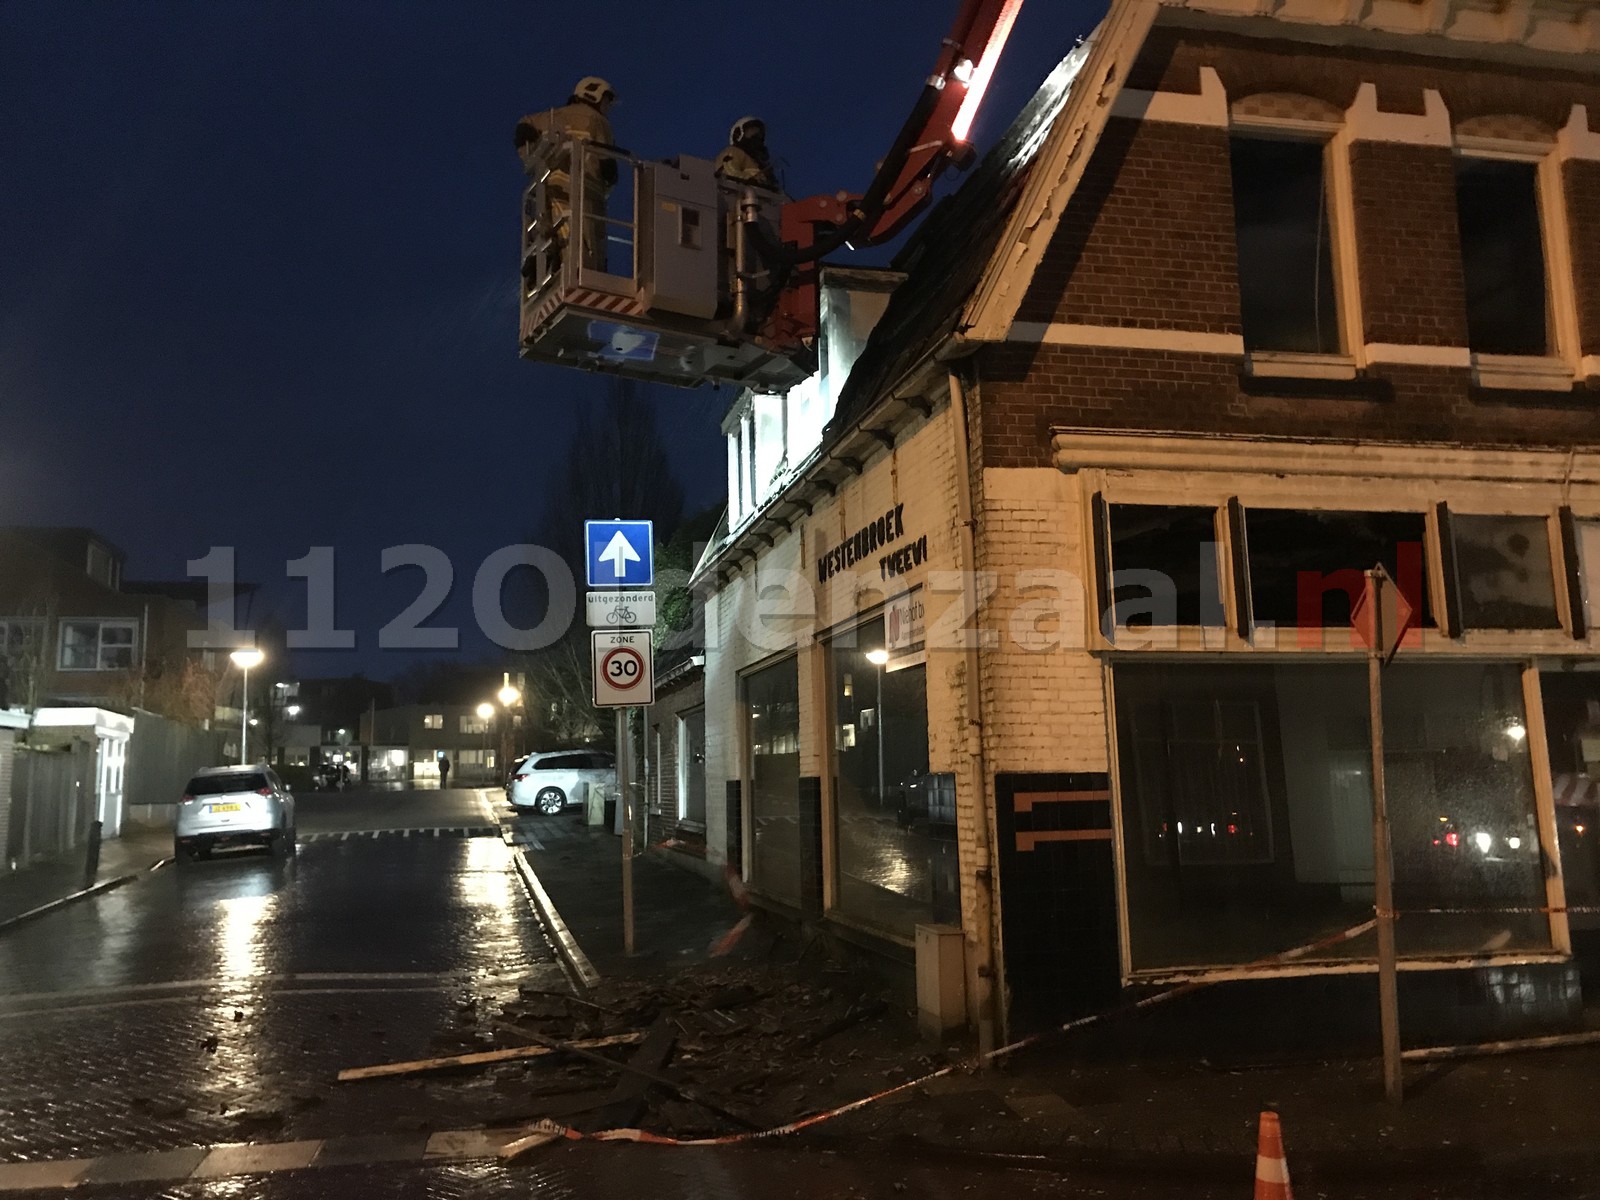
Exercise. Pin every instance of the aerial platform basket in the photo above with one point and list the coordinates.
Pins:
(643, 269)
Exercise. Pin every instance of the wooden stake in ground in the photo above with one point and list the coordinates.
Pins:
(482, 1058)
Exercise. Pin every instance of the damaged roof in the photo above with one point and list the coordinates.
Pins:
(947, 256)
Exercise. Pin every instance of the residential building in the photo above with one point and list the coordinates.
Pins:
(74, 631)
(1033, 615)
(406, 743)
(674, 752)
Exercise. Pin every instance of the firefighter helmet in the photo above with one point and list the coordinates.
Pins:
(596, 91)
(747, 129)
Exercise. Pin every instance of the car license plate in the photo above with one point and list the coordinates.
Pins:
(216, 808)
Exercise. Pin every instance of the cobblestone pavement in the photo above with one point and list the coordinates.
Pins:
(216, 1001)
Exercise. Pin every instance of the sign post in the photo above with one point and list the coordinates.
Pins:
(625, 813)
(620, 555)
(1382, 616)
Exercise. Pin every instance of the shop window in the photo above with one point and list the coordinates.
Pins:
(692, 766)
(1502, 256)
(1277, 758)
(1164, 565)
(1572, 721)
(1307, 566)
(772, 714)
(1504, 577)
(1280, 212)
(894, 822)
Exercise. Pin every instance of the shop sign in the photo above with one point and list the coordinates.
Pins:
(864, 544)
(905, 629)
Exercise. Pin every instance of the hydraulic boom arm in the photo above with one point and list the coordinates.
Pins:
(935, 135)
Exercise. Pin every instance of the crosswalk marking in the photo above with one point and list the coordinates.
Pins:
(438, 831)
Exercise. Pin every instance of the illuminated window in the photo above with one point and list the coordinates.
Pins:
(433, 721)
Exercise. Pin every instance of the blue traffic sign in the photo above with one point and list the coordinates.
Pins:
(620, 553)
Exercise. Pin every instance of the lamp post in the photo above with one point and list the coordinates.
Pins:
(879, 659)
(244, 658)
(508, 697)
(485, 715)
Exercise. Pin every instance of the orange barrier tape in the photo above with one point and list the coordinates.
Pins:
(1521, 911)
(657, 1139)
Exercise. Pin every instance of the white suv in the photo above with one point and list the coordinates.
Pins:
(234, 806)
(547, 783)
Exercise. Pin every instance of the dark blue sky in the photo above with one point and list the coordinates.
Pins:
(258, 260)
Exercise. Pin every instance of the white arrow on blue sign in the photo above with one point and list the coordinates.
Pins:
(619, 553)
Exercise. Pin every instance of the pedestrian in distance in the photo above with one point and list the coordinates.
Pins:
(444, 771)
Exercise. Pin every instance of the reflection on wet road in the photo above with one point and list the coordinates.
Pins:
(215, 1001)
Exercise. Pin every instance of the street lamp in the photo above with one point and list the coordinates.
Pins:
(509, 696)
(244, 658)
(879, 658)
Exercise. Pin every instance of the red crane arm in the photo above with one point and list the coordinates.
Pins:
(935, 135)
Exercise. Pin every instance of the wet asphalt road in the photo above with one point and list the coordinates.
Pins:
(214, 1003)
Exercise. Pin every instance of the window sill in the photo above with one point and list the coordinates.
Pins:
(1280, 364)
(1522, 373)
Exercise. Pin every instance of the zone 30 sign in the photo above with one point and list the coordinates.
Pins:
(623, 668)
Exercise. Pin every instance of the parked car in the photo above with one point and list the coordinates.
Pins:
(549, 782)
(234, 806)
(511, 775)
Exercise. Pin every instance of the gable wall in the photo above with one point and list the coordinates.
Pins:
(1132, 319)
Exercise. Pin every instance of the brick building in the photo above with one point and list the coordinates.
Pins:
(405, 743)
(1033, 615)
(73, 630)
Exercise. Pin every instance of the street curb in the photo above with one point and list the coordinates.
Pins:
(72, 898)
(572, 955)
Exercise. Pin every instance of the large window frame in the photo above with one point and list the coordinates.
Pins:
(1560, 948)
(1344, 255)
(747, 776)
(102, 625)
(1442, 623)
(1558, 367)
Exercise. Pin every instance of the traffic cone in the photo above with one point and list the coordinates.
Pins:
(1272, 1169)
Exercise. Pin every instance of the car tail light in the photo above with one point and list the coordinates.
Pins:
(519, 778)
(1452, 838)
(188, 800)
(263, 791)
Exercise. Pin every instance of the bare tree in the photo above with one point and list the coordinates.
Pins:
(617, 467)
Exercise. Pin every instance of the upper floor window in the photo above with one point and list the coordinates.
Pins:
(1287, 297)
(474, 724)
(20, 636)
(1502, 256)
(433, 721)
(97, 645)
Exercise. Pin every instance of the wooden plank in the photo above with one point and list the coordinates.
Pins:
(480, 1058)
(627, 1101)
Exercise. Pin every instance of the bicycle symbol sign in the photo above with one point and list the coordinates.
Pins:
(623, 668)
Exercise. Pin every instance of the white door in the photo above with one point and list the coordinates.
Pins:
(111, 775)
